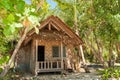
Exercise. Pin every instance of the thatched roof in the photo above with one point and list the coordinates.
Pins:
(57, 24)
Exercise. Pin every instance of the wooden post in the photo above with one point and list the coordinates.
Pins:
(61, 55)
(83, 58)
(48, 64)
(51, 64)
(32, 57)
(36, 56)
(49, 26)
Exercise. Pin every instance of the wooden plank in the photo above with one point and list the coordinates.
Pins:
(57, 65)
(40, 27)
(48, 64)
(67, 29)
(63, 28)
(55, 26)
(62, 55)
(44, 64)
(82, 54)
(49, 26)
(41, 65)
(32, 63)
(36, 50)
(51, 64)
(44, 69)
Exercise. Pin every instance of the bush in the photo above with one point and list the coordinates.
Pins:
(1, 70)
(113, 72)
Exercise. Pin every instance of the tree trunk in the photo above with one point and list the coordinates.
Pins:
(7, 67)
(94, 51)
(118, 47)
(77, 32)
(111, 57)
(99, 49)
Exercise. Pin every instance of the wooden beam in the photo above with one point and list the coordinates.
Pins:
(63, 28)
(55, 26)
(36, 64)
(32, 56)
(42, 25)
(62, 55)
(82, 54)
(49, 26)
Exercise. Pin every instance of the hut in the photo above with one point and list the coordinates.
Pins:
(48, 50)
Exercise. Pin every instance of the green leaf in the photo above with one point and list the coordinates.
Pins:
(7, 31)
(20, 6)
(6, 4)
(17, 25)
(10, 18)
(12, 28)
(33, 19)
(4, 59)
(18, 14)
(27, 12)
(5, 21)
(32, 9)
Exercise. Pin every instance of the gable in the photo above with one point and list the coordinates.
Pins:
(54, 23)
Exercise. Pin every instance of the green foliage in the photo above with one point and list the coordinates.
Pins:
(98, 16)
(4, 59)
(14, 16)
(1, 70)
(4, 44)
(100, 19)
(110, 73)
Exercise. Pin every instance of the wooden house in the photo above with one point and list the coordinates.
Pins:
(48, 50)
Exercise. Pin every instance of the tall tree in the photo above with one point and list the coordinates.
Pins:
(97, 21)
(21, 15)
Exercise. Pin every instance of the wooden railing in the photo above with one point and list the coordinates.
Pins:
(46, 66)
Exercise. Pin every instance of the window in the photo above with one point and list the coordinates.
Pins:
(55, 51)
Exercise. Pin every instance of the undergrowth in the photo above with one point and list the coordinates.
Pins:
(112, 72)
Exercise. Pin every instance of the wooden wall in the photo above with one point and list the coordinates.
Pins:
(22, 59)
(48, 48)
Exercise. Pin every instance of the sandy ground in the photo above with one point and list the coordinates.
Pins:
(93, 75)
(70, 76)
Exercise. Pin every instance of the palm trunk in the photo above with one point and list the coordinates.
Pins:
(7, 67)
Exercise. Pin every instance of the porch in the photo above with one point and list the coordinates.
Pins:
(45, 60)
(49, 66)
